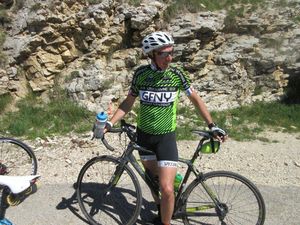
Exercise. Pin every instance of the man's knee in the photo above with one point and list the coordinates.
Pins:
(167, 190)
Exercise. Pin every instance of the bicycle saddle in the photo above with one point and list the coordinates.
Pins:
(17, 184)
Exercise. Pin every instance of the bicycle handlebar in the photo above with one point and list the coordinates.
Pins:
(108, 146)
(125, 127)
(129, 129)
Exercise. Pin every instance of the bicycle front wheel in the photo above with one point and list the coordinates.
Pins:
(108, 194)
(223, 197)
(16, 158)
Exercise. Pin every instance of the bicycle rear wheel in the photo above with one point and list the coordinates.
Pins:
(240, 200)
(16, 158)
(105, 198)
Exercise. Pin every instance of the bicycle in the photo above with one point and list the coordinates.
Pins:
(109, 192)
(14, 190)
(16, 158)
(18, 168)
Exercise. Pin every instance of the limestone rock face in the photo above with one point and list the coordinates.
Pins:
(93, 50)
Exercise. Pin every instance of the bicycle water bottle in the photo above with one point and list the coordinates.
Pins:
(100, 123)
(177, 181)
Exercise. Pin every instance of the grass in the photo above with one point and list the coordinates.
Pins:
(61, 116)
(247, 122)
(130, 2)
(93, 2)
(37, 119)
(296, 19)
(193, 6)
(3, 58)
(5, 100)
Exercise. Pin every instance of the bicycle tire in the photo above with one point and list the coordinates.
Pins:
(16, 158)
(246, 202)
(119, 205)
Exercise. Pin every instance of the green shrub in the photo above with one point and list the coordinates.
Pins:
(2, 55)
(74, 74)
(19, 4)
(4, 17)
(292, 91)
(296, 19)
(258, 90)
(134, 2)
(193, 6)
(2, 37)
(94, 2)
(36, 7)
(273, 43)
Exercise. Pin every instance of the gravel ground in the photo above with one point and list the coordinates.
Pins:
(276, 162)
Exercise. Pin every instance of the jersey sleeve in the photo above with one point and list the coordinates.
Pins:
(185, 81)
(133, 90)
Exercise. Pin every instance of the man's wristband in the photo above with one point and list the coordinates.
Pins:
(211, 125)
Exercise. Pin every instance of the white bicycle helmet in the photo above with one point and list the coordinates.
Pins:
(156, 40)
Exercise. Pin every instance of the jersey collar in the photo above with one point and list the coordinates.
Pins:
(155, 68)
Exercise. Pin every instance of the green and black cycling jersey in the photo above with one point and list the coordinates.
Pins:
(158, 92)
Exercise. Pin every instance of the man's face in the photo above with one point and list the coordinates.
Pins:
(163, 57)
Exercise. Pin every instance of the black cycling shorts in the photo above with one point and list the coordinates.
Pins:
(163, 146)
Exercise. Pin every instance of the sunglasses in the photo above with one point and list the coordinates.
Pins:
(165, 54)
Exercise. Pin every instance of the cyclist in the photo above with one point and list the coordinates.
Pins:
(158, 85)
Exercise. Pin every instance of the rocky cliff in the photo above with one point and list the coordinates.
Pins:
(91, 48)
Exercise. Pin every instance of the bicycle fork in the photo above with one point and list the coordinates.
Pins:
(221, 208)
(113, 181)
(116, 177)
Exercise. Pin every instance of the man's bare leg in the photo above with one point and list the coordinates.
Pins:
(166, 180)
(151, 165)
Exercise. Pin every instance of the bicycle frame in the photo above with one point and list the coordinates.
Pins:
(128, 157)
(179, 200)
(16, 187)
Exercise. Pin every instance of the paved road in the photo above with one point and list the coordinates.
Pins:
(56, 204)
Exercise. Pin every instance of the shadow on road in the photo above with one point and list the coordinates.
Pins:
(68, 203)
(95, 203)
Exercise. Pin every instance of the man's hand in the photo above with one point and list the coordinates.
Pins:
(218, 132)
